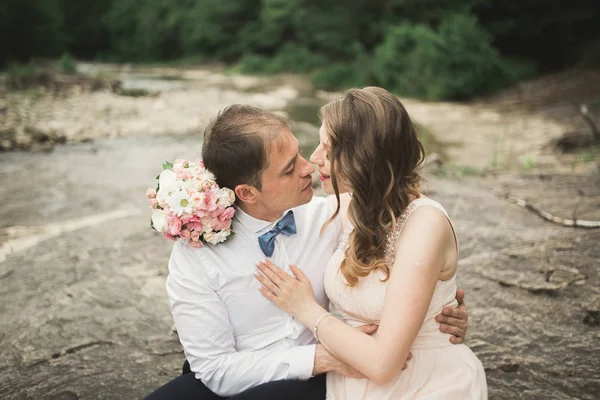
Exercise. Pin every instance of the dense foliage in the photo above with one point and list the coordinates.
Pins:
(436, 49)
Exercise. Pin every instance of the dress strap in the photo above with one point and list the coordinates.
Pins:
(343, 243)
(392, 238)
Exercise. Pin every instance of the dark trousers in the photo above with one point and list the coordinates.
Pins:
(186, 387)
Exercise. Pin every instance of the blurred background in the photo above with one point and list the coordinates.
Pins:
(95, 95)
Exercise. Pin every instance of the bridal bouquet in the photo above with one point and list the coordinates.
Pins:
(188, 204)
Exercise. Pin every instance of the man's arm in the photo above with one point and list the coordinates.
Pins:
(204, 330)
(455, 320)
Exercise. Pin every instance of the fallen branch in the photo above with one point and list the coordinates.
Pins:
(575, 223)
(72, 350)
(7, 274)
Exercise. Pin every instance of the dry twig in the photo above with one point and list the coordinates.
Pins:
(575, 223)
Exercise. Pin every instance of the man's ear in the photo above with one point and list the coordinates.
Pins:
(246, 193)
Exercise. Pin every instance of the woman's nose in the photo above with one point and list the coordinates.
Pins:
(316, 157)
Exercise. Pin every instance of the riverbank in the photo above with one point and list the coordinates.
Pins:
(498, 133)
(84, 312)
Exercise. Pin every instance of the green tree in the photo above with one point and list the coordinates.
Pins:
(147, 29)
(86, 33)
(30, 28)
(272, 28)
(452, 62)
(214, 27)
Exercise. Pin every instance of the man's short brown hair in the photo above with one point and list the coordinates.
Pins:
(237, 142)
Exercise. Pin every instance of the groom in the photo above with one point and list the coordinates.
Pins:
(238, 344)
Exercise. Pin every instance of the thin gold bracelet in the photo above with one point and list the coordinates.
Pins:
(316, 326)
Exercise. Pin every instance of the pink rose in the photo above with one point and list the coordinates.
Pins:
(209, 201)
(173, 224)
(217, 225)
(152, 203)
(195, 236)
(184, 234)
(196, 245)
(196, 200)
(217, 212)
(195, 226)
(150, 193)
(223, 220)
(183, 174)
(228, 213)
(194, 218)
(167, 236)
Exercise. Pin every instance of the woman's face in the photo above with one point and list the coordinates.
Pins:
(320, 157)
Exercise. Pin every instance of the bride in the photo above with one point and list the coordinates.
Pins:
(399, 252)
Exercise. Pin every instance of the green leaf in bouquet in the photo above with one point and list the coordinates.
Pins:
(167, 165)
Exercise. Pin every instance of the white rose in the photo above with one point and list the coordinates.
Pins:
(206, 228)
(222, 236)
(207, 176)
(226, 197)
(159, 220)
(211, 237)
(231, 195)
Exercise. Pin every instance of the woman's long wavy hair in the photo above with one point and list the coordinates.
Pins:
(375, 152)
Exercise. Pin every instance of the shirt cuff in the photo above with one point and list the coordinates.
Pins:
(302, 362)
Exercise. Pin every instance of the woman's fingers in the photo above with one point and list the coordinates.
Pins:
(275, 271)
(299, 274)
(269, 273)
(265, 292)
(266, 282)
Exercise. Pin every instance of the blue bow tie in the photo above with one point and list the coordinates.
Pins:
(287, 226)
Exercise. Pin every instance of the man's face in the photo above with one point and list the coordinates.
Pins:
(287, 181)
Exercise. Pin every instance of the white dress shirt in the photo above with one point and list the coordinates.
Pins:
(233, 337)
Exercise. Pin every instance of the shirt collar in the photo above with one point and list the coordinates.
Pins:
(255, 225)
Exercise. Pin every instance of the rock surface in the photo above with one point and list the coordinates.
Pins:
(83, 308)
(84, 313)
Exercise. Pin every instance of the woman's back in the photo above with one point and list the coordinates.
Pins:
(437, 369)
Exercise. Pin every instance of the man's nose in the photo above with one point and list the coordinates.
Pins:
(307, 168)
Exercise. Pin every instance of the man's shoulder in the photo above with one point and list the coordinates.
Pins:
(196, 260)
(202, 253)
